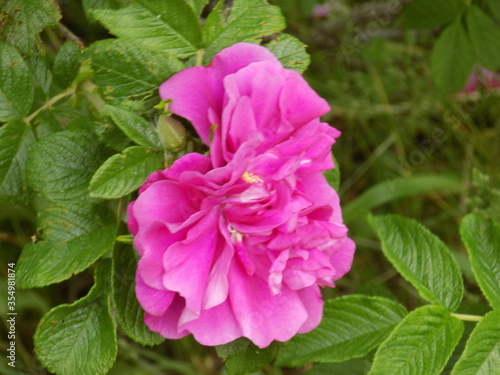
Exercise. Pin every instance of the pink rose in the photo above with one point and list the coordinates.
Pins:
(238, 243)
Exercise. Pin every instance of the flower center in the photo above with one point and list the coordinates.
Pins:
(251, 178)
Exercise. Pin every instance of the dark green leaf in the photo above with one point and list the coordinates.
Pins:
(358, 366)
(485, 37)
(452, 59)
(197, 5)
(350, 328)
(16, 86)
(420, 344)
(67, 63)
(495, 7)
(482, 239)
(291, 52)
(421, 258)
(427, 14)
(80, 338)
(242, 357)
(73, 239)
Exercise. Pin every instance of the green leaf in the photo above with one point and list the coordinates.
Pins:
(452, 59)
(485, 37)
(243, 357)
(428, 14)
(23, 20)
(123, 70)
(167, 26)
(135, 127)
(351, 327)
(61, 165)
(495, 7)
(90, 5)
(129, 314)
(482, 352)
(421, 258)
(123, 173)
(67, 63)
(73, 239)
(80, 338)
(16, 138)
(245, 21)
(291, 52)
(197, 5)
(16, 86)
(358, 366)
(482, 239)
(420, 344)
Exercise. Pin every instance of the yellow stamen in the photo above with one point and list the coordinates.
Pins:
(251, 178)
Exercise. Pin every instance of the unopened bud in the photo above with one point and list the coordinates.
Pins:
(172, 133)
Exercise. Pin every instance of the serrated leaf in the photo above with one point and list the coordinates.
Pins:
(350, 328)
(123, 173)
(485, 37)
(243, 357)
(167, 26)
(67, 63)
(420, 344)
(482, 239)
(123, 70)
(245, 21)
(291, 52)
(197, 5)
(61, 165)
(129, 314)
(23, 20)
(73, 239)
(90, 5)
(80, 338)
(482, 352)
(16, 86)
(495, 7)
(452, 59)
(135, 127)
(16, 138)
(427, 14)
(421, 258)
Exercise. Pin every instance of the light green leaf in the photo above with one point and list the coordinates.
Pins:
(16, 138)
(420, 344)
(291, 52)
(245, 21)
(452, 59)
(61, 165)
(482, 352)
(123, 173)
(485, 37)
(134, 126)
(428, 14)
(351, 327)
(167, 26)
(495, 7)
(482, 239)
(16, 86)
(197, 5)
(90, 5)
(73, 239)
(243, 357)
(358, 366)
(80, 338)
(129, 314)
(23, 20)
(67, 63)
(421, 258)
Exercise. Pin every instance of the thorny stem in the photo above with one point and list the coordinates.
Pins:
(468, 318)
(69, 91)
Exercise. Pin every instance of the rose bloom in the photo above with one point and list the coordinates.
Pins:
(238, 243)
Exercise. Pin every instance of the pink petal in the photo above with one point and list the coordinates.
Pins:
(168, 323)
(153, 301)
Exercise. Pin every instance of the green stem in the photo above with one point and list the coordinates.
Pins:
(125, 238)
(199, 57)
(49, 103)
(468, 318)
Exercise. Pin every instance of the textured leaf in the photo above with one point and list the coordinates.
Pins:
(291, 52)
(67, 63)
(358, 366)
(243, 357)
(61, 165)
(125, 70)
(245, 21)
(495, 7)
(167, 26)
(420, 344)
(16, 86)
(485, 37)
(129, 314)
(90, 5)
(421, 258)
(23, 20)
(197, 5)
(135, 127)
(73, 239)
(482, 239)
(427, 14)
(452, 59)
(482, 352)
(350, 328)
(16, 138)
(123, 173)
(80, 338)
